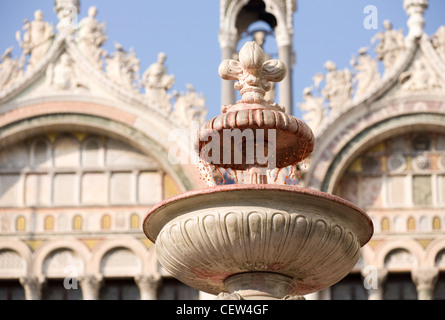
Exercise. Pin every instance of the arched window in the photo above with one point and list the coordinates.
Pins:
(66, 151)
(106, 222)
(385, 224)
(91, 153)
(77, 222)
(411, 225)
(20, 223)
(49, 223)
(134, 221)
(436, 223)
(40, 153)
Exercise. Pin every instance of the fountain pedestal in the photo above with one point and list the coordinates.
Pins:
(257, 241)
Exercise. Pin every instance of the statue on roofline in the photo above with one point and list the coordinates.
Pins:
(438, 41)
(313, 110)
(10, 69)
(91, 36)
(123, 67)
(391, 44)
(338, 86)
(156, 82)
(37, 38)
(367, 74)
(189, 107)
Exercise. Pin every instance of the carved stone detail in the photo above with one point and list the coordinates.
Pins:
(425, 280)
(189, 107)
(33, 286)
(62, 75)
(37, 38)
(91, 36)
(439, 42)
(123, 67)
(148, 285)
(420, 78)
(415, 10)
(338, 87)
(67, 11)
(367, 73)
(10, 69)
(314, 110)
(156, 82)
(253, 73)
(391, 44)
(90, 285)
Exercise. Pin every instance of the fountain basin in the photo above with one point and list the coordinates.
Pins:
(309, 238)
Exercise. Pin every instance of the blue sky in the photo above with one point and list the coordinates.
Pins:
(187, 31)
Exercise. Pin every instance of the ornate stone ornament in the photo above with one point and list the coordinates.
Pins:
(420, 78)
(157, 82)
(338, 86)
(313, 109)
(438, 41)
(10, 68)
(390, 46)
(366, 74)
(91, 35)
(253, 73)
(123, 67)
(189, 107)
(37, 38)
(62, 75)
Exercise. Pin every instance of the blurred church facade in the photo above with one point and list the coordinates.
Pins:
(85, 151)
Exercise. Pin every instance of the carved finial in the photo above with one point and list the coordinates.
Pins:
(253, 73)
(67, 11)
(415, 9)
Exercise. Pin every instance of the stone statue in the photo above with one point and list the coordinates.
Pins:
(156, 82)
(439, 42)
(189, 107)
(122, 68)
(338, 86)
(91, 36)
(62, 75)
(419, 78)
(391, 45)
(37, 38)
(367, 74)
(314, 111)
(10, 69)
(259, 37)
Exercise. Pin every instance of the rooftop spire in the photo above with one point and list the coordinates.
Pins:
(67, 11)
(415, 10)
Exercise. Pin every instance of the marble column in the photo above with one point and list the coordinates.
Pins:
(148, 285)
(285, 54)
(90, 285)
(227, 41)
(33, 287)
(374, 281)
(425, 279)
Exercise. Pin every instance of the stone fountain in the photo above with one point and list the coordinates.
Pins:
(256, 240)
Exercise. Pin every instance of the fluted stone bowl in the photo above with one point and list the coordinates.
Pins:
(310, 238)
